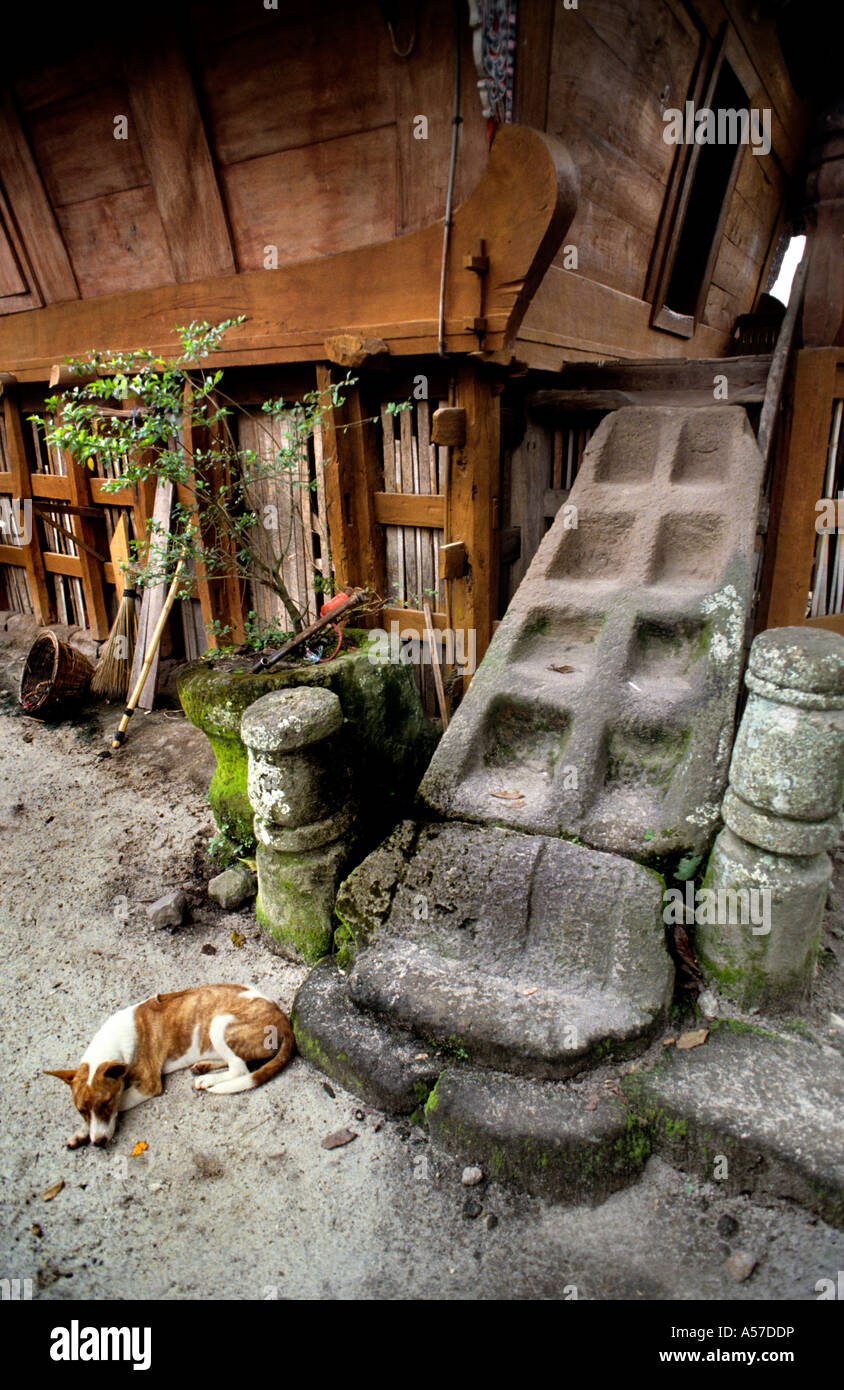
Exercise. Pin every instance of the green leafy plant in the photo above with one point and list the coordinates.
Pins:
(146, 417)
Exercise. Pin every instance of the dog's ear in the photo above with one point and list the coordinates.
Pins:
(63, 1075)
(116, 1071)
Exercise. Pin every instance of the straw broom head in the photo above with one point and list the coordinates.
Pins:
(111, 675)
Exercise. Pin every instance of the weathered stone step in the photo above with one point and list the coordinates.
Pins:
(530, 1030)
(383, 1066)
(756, 1111)
(541, 1135)
(752, 1109)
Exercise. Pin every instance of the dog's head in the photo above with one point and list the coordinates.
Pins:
(96, 1097)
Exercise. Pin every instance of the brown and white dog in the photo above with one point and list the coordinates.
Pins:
(207, 1028)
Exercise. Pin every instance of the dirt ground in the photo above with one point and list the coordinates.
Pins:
(234, 1197)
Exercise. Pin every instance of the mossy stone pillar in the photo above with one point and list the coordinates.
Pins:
(298, 787)
(769, 870)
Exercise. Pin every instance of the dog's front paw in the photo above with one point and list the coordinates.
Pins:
(77, 1140)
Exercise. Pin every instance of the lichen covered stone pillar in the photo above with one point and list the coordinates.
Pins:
(759, 924)
(298, 787)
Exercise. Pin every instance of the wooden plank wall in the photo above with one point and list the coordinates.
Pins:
(809, 468)
(537, 476)
(246, 128)
(614, 66)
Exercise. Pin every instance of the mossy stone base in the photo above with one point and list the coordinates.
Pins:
(770, 970)
(387, 736)
(295, 906)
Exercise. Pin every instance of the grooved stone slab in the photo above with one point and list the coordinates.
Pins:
(643, 605)
(522, 952)
(774, 1108)
(538, 1134)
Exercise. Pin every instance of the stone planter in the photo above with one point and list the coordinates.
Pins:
(388, 745)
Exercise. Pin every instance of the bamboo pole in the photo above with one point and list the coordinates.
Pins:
(435, 663)
(152, 648)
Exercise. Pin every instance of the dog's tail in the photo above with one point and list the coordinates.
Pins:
(281, 1058)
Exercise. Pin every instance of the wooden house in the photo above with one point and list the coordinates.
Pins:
(295, 164)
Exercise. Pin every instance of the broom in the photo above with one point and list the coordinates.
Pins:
(114, 665)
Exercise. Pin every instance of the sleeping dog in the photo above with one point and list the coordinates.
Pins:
(214, 1029)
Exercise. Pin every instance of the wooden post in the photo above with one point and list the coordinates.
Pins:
(802, 486)
(823, 314)
(42, 606)
(218, 594)
(473, 486)
(352, 477)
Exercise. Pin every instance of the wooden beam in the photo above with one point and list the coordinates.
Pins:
(16, 458)
(175, 148)
(12, 555)
(520, 209)
(120, 497)
(412, 619)
(802, 486)
(534, 46)
(33, 212)
(55, 563)
(51, 486)
(352, 474)
(474, 478)
(572, 317)
(630, 381)
(409, 509)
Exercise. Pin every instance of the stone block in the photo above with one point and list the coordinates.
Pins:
(537, 1134)
(768, 1110)
(517, 951)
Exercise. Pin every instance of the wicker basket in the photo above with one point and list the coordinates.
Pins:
(55, 675)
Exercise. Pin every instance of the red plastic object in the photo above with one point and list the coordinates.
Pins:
(332, 604)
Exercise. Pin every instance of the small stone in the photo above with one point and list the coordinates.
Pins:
(708, 1003)
(168, 910)
(156, 1187)
(727, 1227)
(471, 1209)
(740, 1265)
(471, 1177)
(233, 887)
(329, 1090)
(490, 1221)
(208, 949)
(338, 1139)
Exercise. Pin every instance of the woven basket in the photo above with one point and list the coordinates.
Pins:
(55, 675)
